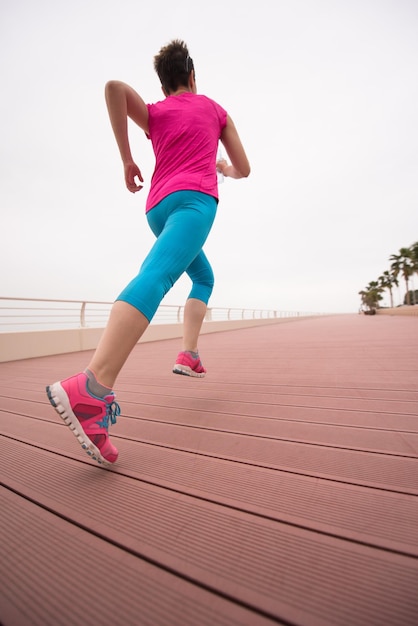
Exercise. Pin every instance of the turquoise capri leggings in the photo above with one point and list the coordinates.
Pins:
(181, 222)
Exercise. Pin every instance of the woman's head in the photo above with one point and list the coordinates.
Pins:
(174, 66)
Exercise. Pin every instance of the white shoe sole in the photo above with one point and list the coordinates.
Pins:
(185, 370)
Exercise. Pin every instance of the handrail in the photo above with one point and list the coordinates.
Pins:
(17, 314)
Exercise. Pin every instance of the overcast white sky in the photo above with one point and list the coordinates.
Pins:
(324, 94)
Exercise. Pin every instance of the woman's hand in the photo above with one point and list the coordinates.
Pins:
(240, 167)
(221, 164)
(132, 171)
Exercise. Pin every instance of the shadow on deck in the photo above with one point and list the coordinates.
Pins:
(280, 489)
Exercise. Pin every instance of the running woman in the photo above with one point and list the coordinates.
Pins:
(184, 130)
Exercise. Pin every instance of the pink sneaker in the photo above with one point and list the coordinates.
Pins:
(188, 366)
(86, 415)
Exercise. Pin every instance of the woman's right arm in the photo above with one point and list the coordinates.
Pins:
(123, 102)
(240, 167)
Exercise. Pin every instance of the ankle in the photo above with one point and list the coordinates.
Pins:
(193, 353)
(95, 386)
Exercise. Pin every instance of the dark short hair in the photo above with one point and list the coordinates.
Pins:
(173, 65)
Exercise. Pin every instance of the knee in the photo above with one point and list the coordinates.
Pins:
(203, 287)
(204, 279)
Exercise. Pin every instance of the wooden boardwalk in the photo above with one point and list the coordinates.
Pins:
(280, 489)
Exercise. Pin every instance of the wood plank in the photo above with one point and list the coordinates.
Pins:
(382, 471)
(395, 441)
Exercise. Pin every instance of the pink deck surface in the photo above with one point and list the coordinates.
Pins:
(280, 489)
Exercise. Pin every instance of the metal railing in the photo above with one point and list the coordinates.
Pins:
(19, 314)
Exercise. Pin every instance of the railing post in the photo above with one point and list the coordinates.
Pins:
(83, 315)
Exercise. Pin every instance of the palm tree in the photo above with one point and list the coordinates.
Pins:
(371, 295)
(402, 263)
(387, 280)
(414, 259)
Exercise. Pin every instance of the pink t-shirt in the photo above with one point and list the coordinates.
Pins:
(184, 131)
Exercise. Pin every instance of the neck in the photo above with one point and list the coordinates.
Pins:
(179, 91)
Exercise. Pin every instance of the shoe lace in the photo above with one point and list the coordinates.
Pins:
(112, 412)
